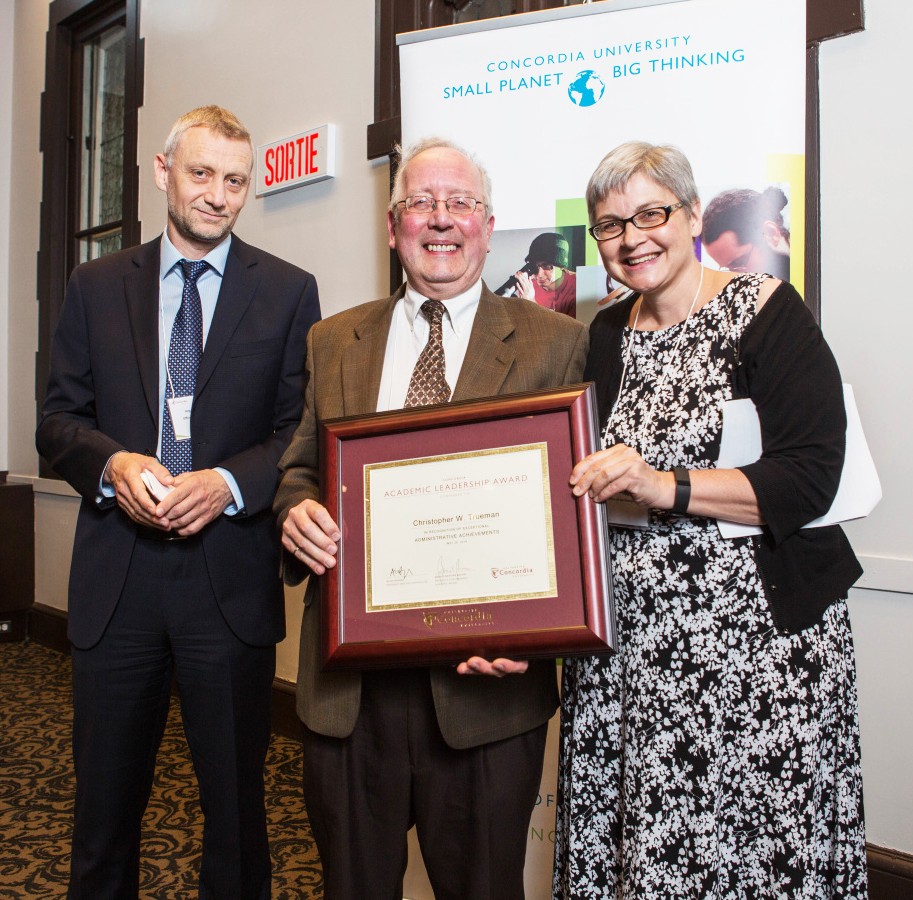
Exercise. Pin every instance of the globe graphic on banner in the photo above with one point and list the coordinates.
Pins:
(586, 89)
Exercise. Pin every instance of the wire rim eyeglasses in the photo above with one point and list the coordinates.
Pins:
(423, 205)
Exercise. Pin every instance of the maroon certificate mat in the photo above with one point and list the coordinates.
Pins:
(460, 535)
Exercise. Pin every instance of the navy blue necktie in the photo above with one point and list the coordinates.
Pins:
(184, 355)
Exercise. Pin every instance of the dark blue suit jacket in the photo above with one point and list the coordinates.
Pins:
(103, 396)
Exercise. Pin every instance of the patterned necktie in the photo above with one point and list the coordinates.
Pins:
(429, 377)
(184, 354)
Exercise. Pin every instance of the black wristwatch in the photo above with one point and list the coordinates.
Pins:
(682, 491)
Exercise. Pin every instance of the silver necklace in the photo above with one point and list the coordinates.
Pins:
(673, 359)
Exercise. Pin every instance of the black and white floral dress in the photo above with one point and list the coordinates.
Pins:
(711, 756)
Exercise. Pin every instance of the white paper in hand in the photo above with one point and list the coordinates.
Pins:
(155, 487)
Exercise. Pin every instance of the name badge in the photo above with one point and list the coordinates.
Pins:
(180, 407)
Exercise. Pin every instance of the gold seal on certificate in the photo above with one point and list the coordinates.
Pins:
(460, 534)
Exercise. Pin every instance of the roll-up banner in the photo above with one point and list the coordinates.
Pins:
(541, 98)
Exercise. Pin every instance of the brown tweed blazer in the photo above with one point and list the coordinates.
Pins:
(514, 346)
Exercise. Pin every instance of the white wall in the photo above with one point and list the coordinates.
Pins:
(867, 313)
(281, 66)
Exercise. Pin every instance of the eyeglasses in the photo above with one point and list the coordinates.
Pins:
(456, 206)
(644, 220)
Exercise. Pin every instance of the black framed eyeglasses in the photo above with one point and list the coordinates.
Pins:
(456, 206)
(644, 220)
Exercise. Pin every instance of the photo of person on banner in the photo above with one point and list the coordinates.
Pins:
(547, 277)
(744, 231)
(551, 283)
(717, 752)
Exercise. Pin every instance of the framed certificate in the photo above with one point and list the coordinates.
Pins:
(460, 534)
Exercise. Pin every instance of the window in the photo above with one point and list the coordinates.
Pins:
(99, 150)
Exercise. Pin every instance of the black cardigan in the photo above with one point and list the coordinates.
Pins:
(785, 366)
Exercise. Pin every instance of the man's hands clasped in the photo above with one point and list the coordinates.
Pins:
(196, 499)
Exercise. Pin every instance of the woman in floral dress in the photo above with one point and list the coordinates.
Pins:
(716, 754)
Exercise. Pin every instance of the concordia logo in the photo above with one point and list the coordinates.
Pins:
(471, 617)
(498, 571)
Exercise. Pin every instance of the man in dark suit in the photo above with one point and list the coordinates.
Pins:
(461, 757)
(175, 387)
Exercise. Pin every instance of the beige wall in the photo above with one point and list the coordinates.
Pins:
(277, 65)
(24, 195)
(283, 67)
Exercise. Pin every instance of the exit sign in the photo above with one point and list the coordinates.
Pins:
(300, 159)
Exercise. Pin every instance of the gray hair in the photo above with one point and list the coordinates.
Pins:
(406, 155)
(663, 163)
(216, 118)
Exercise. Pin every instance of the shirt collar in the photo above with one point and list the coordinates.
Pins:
(170, 256)
(460, 310)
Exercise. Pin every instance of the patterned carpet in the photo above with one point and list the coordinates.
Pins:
(36, 795)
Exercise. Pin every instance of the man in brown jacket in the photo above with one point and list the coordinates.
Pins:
(456, 755)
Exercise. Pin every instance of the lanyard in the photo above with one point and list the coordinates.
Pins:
(673, 359)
